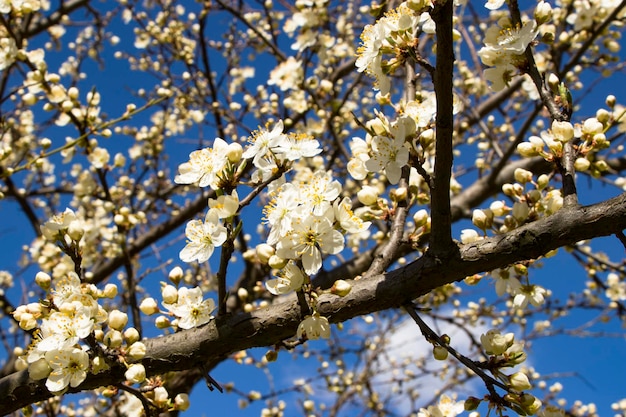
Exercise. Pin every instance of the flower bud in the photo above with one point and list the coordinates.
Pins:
(522, 176)
(161, 396)
(543, 12)
(440, 353)
(592, 126)
(136, 351)
(234, 152)
(399, 194)
(562, 131)
(110, 291)
(611, 100)
(530, 403)
(483, 219)
(43, 280)
(162, 322)
(264, 252)
(496, 343)
(527, 149)
(520, 211)
(471, 403)
(169, 294)
(117, 319)
(420, 218)
(75, 231)
(368, 195)
(113, 339)
(181, 402)
(582, 164)
(341, 288)
(277, 262)
(175, 275)
(131, 335)
(519, 381)
(136, 373)
(149, 306)
(469, 236)
(39, 369)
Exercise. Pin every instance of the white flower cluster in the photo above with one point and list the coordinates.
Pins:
(504, 50)
(392, 32)
(504, 352)
(307, 219)
(70, 319)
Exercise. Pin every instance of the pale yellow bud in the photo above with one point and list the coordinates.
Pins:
(562, 131)
(149, 306)
(117, 319)
(582, 164)
(110, 291)
(519, 381)
(169, 294)
(181, 402)
(543, 12)
(264, 252)
(131, 335)
(113, 339)
(277, 262)
(234, 151)
(440, 353)
(368, 195)
(341, 288)
(420, 218)
(592, 126)
(136, 373)
(162, 322)
(522, 176)
(136, 351)
(175, 275)
(39, 369)
(43, 280)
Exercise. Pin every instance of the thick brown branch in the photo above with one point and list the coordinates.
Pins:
(441, 236)
(221, 337)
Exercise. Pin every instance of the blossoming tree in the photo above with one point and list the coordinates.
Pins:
(324, 161)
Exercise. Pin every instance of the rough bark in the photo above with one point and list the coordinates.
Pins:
(219, 338)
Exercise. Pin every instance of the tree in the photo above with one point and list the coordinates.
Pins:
(383, 129)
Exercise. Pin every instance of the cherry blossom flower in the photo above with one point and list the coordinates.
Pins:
(313, 327)
(506, 282)
(204, 166)
(62, 331)
(320, 191)
(615, 289)
(496, 343)
(297, 146)
(290, 279)
(8, 52)
(445, 408)
(263, 141)
(346, 217)
(280, 212)
(388, 155)
(58, 224)
(288, 75)
(309, 238)
(190, 309)
(203, 238)
(225, 205)
(533, 294)
(69, 367)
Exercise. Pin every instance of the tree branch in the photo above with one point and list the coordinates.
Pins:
(441, 236)
(223, 336)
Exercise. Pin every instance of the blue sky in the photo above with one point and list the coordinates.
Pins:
(594, 366)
